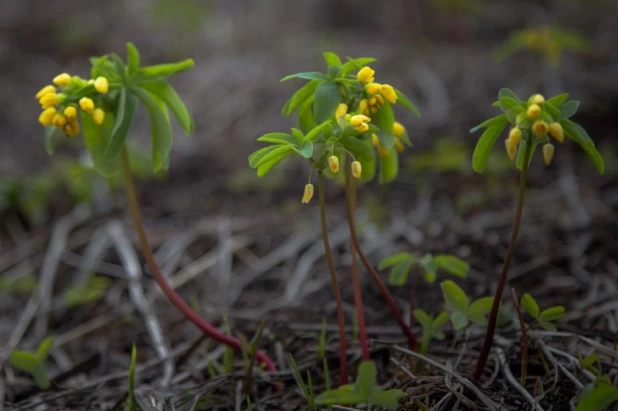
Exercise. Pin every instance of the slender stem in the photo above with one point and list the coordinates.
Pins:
(335, 283)
(358, 297)
(524, 340)
(425, 341)
(390, 301)
(169, 292)
(493, 317)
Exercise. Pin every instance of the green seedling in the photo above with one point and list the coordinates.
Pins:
(597, 398)
(533, 123)
(462, 312)
(34, 363)
(364, 393)
(432, 327)
(132, 406)
(402, 263)
(89, 291)
(344, 116)
(23, 284)
(544, 318)
(102, 109)
(306, 388)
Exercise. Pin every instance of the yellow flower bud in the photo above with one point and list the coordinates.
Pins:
(357, 169)
(374, 110)
(70, 113)
(537, 99)
(362, 127)
(398, 145)
(398, 129)
(49, 100)
(86, 104)
(98, 116)
(533, 112)
(45, 90)
(372, 101)
(359, 119)
(59, 120)
(101, 85)
(556, 131)
(379, 99)
(342, 110)
(548, 153)
(388, 92)
(373, 88)
(62, 80)
(47, 117)
(375, 140)
(333, 164)
(515, 135)
(71, 129)
(540, 128)
(307, 194)
(363, 107)
(366, 75)
(511, 148)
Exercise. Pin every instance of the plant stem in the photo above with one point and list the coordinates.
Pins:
(390, 301)
(169, 292)
(350, 193)
(335, 283)
(524, 340)
(493, 317)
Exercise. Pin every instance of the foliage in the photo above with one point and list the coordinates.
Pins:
(132, 406)
(432, 327)
(88, 291)
(462, 312)
(402, 263)
(546, 317)
(23, 284)
(34, 363)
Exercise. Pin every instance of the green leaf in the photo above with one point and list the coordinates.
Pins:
(386, 399)
(164, 70)
(598, 399)
(453, 265)
(479, 309)
(124, 117)
(160, 129)
(552, 313)
(399, 274)
(266, 167)
(364, 153)
(101, 66)
(407, 103)
(40, 376)
(306, 150)
(23, 360)
(547, 325)
(459, 320)
(389, 167)
(299, 97)
(552, 111)
(577, 133)
(455, 298)
(120, 69)
(132, 58)
(385, 120)
(259, 154)
(332, 59)
(440, 320)
(337, 397)
(355, 64)
(305, 116)
(166, 93)
(521, 150)
(423, 318)
(366, 381)
(505, 96)
(395, 259)
(277, 152)
(430, 267)
(298, 135)
(278, 138)
(315, 132)
(49, 136)
(488, 123)
(43, 351)
(558, 100)
(132, 401)
(485, 144)
(97, 140)
(309, 75)
(325, 101)
(512, 113)
(530, 305)
(568, 109)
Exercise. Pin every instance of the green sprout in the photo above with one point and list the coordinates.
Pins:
(89, 291)
(462, 312)
(533, 122)
(132, 406)
(34, 363)
(432, 327)
(402, 263)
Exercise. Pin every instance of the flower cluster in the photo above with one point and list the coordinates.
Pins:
(60, 107)
(374, 94)
(540, 124)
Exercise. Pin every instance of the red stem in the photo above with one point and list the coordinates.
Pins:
(169, 292)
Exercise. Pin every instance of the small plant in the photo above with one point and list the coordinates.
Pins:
(91, 290)
(402, 263)
(432, 327)
(344, 118)
(132, 406)
(101, 109)
(365, 392)
(533, 123)
(34, 363)
(462, 312)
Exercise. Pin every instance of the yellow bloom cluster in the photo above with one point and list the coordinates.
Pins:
(61, 109)
(359, 122)
(376, 93)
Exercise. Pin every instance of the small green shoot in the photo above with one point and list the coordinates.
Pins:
(432, 327)
(89, 291)
(402, 263)
(132, 406)
(597, 399)
(546, 317)
(34, 363)
(461, 310)
(306, 388)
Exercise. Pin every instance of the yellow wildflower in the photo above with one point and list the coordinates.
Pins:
(388, 92)
(101, 85)
(537, 99)
(382, 151)
(333, 164)
(49, 100)
(342, 110)
(540, 128)
(556, 131)
(357, 169)
(62, 80)
(374, 110)
(375, 140)
(379, 99)
(363, 107)
(98, 116)
(47, 117)
(398, 129)
(511, 148)
(515, 135)
(72, 129)
(59, 120)
(359, 122)
(373, 88)
(307, 194)
(548, 153)
(366, 75)
(398, 145)
(534, 111)
(86, 104)
(70, 113)
(45, 90)
(372, 101)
